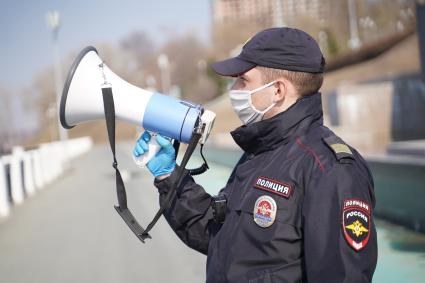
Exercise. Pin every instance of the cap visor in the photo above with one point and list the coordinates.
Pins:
(232, 67)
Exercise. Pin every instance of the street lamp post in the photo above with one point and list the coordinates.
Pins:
(53, 22)
(164, 66)
(354, 41)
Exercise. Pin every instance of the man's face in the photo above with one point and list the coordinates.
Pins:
(251, 80)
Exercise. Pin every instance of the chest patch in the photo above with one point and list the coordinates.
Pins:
(356, 223)
(265, 211)
(274, 186)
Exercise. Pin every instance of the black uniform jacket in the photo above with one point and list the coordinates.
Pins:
(299, 206)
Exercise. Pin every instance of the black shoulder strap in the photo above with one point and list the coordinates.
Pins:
(122, 209)
(339, 148)
(176, 181)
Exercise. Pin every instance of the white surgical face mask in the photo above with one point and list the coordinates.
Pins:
(242, 104)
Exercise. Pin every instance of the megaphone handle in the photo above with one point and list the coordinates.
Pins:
(153, 146)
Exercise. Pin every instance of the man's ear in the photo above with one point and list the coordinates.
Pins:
(281, 90)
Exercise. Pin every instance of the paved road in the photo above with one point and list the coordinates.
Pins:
(70, 232)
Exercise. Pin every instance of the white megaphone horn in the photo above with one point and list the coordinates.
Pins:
(82, 102)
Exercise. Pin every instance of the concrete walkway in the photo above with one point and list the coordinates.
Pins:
(70, 231)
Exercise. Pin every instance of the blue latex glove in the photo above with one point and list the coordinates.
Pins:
(164, 160)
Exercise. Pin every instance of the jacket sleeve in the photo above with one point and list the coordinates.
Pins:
(190, 213)
(340, 242)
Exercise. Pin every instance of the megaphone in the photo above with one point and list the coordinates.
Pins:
(82, 102)
(93, 92)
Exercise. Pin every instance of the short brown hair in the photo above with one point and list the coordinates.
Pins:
(304, 83)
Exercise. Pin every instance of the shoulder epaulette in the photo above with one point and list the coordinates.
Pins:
(341, 150)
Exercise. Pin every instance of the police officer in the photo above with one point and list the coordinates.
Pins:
(299, 203)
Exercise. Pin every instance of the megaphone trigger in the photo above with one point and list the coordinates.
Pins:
(153, 148)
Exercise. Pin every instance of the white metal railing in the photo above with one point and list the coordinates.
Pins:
(24, 172)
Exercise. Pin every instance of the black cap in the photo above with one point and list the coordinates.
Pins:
(279, 48)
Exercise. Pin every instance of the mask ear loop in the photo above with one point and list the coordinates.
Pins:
(262, 87)
(257, 90)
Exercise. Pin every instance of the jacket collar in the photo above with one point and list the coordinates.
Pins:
(268, 134)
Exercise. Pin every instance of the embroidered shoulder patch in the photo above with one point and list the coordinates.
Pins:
(274, 186)
(356, 223)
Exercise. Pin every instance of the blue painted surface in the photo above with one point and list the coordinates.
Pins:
(399, 190)
(401, 256)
